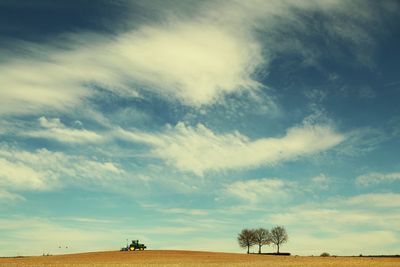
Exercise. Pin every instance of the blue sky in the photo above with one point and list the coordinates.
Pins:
(181, 122)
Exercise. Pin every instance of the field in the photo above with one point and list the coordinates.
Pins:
(191, 258)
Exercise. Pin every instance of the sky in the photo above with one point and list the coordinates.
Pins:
(179, 123)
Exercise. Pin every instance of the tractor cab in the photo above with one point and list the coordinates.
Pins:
(135, 245)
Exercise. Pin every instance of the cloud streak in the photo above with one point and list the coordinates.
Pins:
(258, 190)
(375, 178)
(43, 170)
(55, 129)
(199, 149)
(30, 86)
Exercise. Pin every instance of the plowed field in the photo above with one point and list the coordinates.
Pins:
(190, 259)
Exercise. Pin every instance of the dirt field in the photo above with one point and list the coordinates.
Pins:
(191, 259)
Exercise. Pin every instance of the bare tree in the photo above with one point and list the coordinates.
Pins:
(246, 239)
(262, 238)
(278, 236)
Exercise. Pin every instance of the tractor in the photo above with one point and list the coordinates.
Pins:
(135, 245)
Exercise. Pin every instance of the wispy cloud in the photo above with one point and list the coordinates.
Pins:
(194, 60)
(31, 86)
(256, 190)
(6, 196)
(321, 181)
(375, 178)
(46, 170)
(376, 200)
(362, 140)
(21, 176)
(182, 211)
(290, 23)
(199, 149)
(55, 129)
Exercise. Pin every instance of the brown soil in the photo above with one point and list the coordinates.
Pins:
(190, 259)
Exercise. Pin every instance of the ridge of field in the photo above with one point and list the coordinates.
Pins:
(172, 258)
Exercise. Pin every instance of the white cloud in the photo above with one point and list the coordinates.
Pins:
(377, 178)
(192, 62)
(321, 181)
(343, 22)
(198, 149)
(362, 140)
(19, 175)
(189, 61)
(46, 170)
(30, 86)
(260, 190)
(9, 197)
(51, 123)
(376, 200)
(194, 59)
(55, 129)
(191, 212)
(182, 211)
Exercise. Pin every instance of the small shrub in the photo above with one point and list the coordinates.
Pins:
(325, 254)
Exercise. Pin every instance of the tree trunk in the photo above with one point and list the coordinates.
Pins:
(259, 249)
(248, 249)
(278, 248)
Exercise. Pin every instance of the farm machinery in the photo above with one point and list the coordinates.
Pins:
(135, 245)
